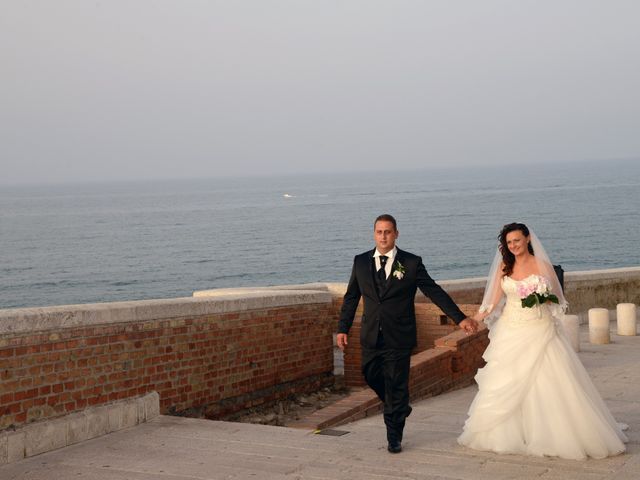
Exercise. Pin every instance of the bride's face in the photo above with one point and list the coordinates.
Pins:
(517, 243)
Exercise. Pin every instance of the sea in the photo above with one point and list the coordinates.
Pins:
(105, 242)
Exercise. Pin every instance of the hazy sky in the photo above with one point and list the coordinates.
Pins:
(131, 89)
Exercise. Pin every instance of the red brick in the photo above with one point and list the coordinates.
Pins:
(7, 352)
(7, 398)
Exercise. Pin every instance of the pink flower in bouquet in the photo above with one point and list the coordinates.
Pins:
(535, 290)
(526, 289)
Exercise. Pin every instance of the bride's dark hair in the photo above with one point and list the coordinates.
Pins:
(509, 258)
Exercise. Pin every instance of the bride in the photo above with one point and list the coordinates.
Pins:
(534, 396)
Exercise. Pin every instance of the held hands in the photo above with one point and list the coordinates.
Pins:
(469, 325)
(341, 340)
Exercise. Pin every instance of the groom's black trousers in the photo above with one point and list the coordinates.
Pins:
(386, 371)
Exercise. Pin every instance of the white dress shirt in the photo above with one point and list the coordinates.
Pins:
(391, 256)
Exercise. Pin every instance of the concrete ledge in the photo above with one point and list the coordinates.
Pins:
(601, 288)
(606, 274)
(579, 285)
(41, 437)
(583, 289)
(22, 320)
(336, 289)
(218, 292)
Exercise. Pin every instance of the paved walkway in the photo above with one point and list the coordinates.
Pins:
(171, 448)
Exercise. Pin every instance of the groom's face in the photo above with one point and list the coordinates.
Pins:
(385, 234)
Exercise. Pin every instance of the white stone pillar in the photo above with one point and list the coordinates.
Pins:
(599, 326)
(571, 326)
(626, 318)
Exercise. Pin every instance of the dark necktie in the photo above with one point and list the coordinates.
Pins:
(382, 275)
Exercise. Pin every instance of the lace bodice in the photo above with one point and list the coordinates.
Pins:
(513, 309)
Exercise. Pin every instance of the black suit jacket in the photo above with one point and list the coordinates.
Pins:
(393, 311)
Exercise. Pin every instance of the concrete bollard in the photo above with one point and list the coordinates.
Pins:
(626, 318)
(599, 326)
(571, 327)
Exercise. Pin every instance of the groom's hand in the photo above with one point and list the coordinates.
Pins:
(341, 340)
(469, 325)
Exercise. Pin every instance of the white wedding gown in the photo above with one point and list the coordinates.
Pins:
(535, 396)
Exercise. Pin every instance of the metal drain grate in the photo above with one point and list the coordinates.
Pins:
(331, 432)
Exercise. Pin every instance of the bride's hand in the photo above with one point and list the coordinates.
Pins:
(479, 317)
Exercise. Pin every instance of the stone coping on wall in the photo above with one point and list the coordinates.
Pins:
(474, 286)
(338, 289)
(465, 284)
(15, 321)
(45, 436)
(606, 274)
(22, 320)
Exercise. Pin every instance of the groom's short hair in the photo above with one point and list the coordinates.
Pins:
(385, 217)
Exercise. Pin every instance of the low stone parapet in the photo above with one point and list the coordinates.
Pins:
(601, 288)
(47, 435)
(583, 289)
(207, 355)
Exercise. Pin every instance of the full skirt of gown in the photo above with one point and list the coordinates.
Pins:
(534, 395)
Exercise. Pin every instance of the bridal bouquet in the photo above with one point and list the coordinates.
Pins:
(535, 290)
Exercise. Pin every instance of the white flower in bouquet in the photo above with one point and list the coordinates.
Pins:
(535, 290)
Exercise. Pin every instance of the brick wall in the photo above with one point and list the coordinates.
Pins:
(217, 363)
(431, 325)
(450, 364)
(216, 356)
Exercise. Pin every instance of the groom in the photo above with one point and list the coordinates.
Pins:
(388, 278)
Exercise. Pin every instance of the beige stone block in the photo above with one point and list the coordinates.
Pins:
(97, 422)
(599, 326)
(152, 405)
(4, 449)
(15, 446)
(114, 416)
(140, 406)
(626, 318)
(571, 327)
(129, 414)
(77, 428)
(44, 437)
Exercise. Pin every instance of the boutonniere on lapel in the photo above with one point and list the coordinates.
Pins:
(398, 270)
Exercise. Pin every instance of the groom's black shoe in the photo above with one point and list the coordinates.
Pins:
(394, 447)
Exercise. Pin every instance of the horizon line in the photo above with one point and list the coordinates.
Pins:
(312, 173)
